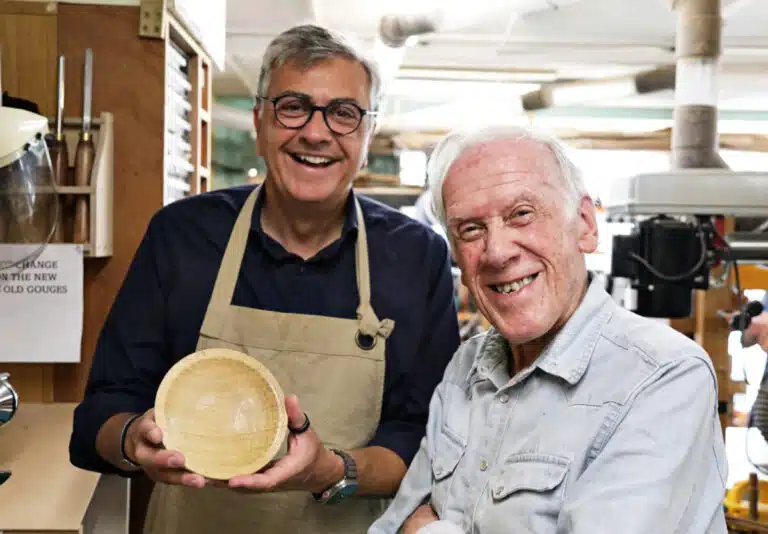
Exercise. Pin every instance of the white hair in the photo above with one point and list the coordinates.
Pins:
(453, 145)
(309, 44)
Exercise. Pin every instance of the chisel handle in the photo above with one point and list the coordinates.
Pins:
(84, 156)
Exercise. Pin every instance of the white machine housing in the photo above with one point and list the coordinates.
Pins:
(690, 192)
(17, 128)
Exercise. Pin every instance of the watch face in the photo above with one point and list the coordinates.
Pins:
(347, 489)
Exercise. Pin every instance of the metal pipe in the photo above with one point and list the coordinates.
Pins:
(748, 247)
(564, 94)
(697, 49)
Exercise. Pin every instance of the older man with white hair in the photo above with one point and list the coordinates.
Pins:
(571, 414)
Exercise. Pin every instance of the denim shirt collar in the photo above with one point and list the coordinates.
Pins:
(568, 354)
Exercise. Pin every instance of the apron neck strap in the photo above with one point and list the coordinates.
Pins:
(229, 270)
(369, 323)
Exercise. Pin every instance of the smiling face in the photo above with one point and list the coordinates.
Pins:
(313, 164)
(518, 238)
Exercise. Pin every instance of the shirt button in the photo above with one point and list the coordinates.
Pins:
(504, 398)
(483, 465)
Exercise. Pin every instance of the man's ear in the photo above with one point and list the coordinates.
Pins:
(256, 116)
(257, 124)
(367, 145)
(588, 233)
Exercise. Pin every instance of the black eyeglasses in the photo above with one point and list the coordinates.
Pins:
(295, 111)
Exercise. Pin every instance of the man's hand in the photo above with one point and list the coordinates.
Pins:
(758, 329)
(423, 516)
(143, 445)
(308, 466)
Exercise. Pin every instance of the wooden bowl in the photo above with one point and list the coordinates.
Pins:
(224, 411)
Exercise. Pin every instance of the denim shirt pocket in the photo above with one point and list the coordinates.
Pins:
(449, 449)
(529, 486)
(529, 472)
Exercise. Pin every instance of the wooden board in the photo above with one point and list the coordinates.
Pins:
(29, 72)
(712, 333)
(45, 492)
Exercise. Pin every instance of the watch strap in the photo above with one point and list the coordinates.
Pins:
(350, 475)
(123, 434)
(350, 466)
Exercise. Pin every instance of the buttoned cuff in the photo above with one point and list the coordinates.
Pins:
(440, 527)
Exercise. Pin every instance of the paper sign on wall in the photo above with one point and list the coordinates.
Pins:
(41, 304)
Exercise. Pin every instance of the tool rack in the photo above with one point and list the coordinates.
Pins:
(100, 190)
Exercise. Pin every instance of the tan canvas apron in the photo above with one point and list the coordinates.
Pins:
(339, 384)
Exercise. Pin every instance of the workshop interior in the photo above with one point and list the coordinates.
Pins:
(113, 109)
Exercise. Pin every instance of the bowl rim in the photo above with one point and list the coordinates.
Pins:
(221, 353)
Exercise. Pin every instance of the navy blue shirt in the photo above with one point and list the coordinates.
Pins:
(156, 317)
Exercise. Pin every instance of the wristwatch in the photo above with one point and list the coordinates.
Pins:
(345, 487)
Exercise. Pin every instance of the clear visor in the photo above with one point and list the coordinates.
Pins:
(29, 205)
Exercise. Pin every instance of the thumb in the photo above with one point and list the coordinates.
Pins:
(296, 416)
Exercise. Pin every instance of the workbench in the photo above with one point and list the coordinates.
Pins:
(46, 494)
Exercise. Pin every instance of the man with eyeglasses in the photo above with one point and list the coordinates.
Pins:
(348, 302)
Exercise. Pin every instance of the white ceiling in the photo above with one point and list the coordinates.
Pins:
(540, 40)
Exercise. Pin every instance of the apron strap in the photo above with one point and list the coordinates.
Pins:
(224, 288)
(229, 270)
(370, 325)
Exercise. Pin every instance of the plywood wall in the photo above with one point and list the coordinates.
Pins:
(129, 83)
(28, 36)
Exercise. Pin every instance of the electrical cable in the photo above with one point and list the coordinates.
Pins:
(676, 278)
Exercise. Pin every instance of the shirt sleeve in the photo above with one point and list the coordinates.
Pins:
(130, 357)
(663, 469)
(401, 430)
(416, 487)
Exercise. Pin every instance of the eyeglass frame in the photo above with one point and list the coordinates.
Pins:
(313, 108)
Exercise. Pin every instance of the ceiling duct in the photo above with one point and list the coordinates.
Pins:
(395, 30)
(698, 47)
(578, 92)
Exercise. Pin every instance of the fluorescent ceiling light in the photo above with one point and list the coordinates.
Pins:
(459, 89)
(482, 75)
(578, 93)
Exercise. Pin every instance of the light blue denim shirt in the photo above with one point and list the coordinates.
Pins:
(614, 429)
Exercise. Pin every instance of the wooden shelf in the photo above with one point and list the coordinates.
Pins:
(395, 191)
(191, 69)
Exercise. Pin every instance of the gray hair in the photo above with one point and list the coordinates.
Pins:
(455, 144)
(309, 44)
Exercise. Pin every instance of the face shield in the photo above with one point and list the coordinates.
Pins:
(29, 205)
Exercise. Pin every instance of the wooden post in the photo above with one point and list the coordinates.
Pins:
(694, 145)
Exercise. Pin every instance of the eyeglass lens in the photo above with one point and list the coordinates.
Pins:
(293, 112)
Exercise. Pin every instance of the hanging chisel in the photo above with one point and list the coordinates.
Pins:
(84, 155)
(57, 147)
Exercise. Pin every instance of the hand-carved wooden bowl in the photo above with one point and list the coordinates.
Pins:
(224, 411)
